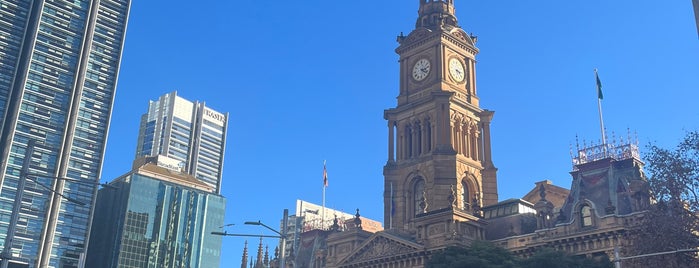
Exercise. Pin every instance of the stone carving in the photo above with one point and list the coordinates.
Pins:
(461, 35)
(380, 247)
(344, 248)
(423, 202)
(436, 229)
(417, 34)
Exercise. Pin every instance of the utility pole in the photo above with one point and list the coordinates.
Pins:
(285, 222)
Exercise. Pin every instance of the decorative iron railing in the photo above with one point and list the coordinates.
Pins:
(602, 151)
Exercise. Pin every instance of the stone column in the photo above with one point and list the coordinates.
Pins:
(391, 140)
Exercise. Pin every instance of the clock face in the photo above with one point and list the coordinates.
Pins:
(456, 70)
(421, 69)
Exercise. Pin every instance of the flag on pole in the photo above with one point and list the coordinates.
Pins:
(325, 175)
(599, 86)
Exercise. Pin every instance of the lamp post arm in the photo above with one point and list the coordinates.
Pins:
(280, 234)
(264, 225)
(244, 235)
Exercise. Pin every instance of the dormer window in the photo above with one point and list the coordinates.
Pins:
(586, 216)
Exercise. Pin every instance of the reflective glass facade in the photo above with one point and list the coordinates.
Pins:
(59, 62)
(146, 222)
(186, 131)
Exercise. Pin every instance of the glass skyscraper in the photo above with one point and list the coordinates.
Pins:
(156, 217)
(186, 131)
(59, 62)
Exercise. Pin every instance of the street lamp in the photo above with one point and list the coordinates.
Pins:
(226, 225)
(246, 235)
(282, 236)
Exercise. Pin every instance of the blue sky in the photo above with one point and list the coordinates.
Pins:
(307, 81)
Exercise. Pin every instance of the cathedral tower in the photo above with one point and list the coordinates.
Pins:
(439, 159)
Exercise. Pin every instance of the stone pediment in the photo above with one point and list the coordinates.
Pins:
(381, 245)
(462, 36)
(417, 34)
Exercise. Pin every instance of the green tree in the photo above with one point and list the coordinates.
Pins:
(557, 259)
(480, 254)
(671, 223)
(483, 254)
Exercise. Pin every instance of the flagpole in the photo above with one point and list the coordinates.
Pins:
(599, 108)
(325, 185)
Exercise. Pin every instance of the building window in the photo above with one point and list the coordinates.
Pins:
(586, 216)
(418, 198)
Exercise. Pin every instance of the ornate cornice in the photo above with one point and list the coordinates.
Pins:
(416, 38)
(421, 36)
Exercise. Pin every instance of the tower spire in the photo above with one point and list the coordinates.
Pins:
(436, 14)
(258, 263)
(244, 262)
(266, 259)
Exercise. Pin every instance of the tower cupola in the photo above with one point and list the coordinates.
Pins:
(436, 14)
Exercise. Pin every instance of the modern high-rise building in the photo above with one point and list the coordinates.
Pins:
(59, 62)
(186, 131)
(695, 3)
(156, 216)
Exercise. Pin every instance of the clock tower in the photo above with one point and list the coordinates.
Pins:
(439, 166)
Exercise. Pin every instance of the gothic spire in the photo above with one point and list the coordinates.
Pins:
(258, 264)
(244, 262)
(266, 259)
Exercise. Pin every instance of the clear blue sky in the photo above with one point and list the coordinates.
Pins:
(307, 81)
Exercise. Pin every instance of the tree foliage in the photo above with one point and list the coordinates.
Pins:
(483, 254)
(479, 254)
(671, 223)
(674, 174)
(557, 259)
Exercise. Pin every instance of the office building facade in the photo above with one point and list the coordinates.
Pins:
(59, 62)
(156, 216)
(186, 131)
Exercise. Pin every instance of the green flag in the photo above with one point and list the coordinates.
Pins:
(599, 87)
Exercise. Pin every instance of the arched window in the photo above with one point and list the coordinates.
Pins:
(586, 216)
(465, 199)
(418, 199)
